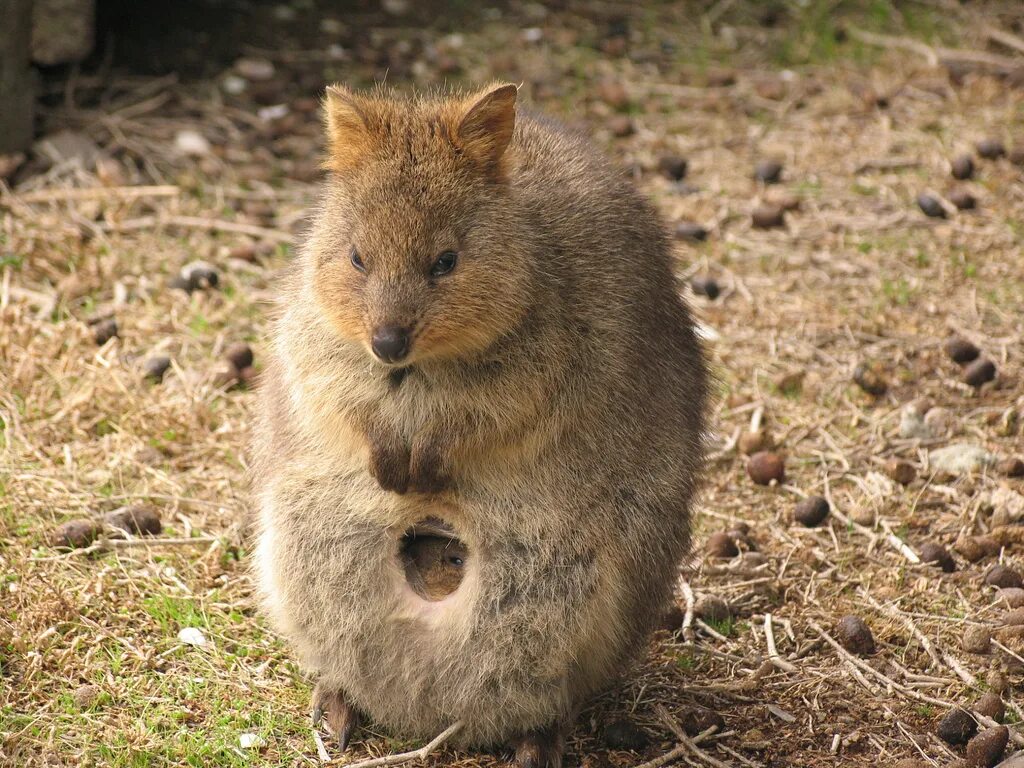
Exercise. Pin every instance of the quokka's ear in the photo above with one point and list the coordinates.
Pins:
(485, 129)
(348, 134)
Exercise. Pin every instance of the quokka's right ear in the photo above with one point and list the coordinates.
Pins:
(348, 132)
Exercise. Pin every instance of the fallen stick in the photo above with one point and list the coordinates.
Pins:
(406, 757)
(98, 193)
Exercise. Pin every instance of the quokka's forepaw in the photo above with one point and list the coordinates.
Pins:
(330, 706)
(540, 748)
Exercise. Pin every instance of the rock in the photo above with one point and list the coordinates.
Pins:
(768, 171)
(768, 217)
(957, 727)
(974, 548)
(155, 367)
(990, 149)
(1011, 467)
(979, 372)
(868, 377)
(624, 734)
(855, 636)
(255, 69)
(1003, 577)
(698, 719)
(702, 285)
(977, 639)
(962, 199)
(672, 166)
(811, 512)
(751, 442)
(75, 534)
(191, 143)
(85, 696)
(138, 520)
(67, 147)
(198, 275)
(251, 741)
(240, 354)
(990, 705)
(903, 472)
(986, 749)
(961, 351)
(931, 206)
(688, 230)
(722, 545)
(962, 167)
(937, 555)
(960, 459)
(765, 466)
(192, 636)
(711, 608)
(1011, 597)
(104, 331)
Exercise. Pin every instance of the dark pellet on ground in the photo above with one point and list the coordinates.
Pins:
(768, 171)
(811, 511)
(688, 230)
(155, 367)
(957, 727)
(937, 555)
(703, 285)
(961, 351)
(990, 149)
(104, 331)
(962, 167)
(931, 206)
(672, 166)
(979, 372)
(855, 636)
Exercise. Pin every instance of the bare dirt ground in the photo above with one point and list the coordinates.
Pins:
(865, 108)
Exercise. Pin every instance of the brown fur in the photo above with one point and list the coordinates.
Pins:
(550, 412)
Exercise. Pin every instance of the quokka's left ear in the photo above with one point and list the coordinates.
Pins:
(484, 130)
(349, 137)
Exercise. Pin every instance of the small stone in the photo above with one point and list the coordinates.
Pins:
(962, 199)
(137, 520)
(961, 351)
(698, 719)
(251, 741)
(903, 472)
(811, 511)
(957, 727)
(702, 285)
(75, 534)
(256, 69)
(1003, 577)
(225, 374)
(766, 466)
(986, 749)
(931, 206)
(85, 696)
(990, 705)
(979, 372)
(240, 354)
(1011, 467)
(690, 231)
(962, 167)
(721, 544)
(750, 443)
(768, 217)
(977, 639)
(625, 735)
(960, 459)
(672, 166)
(191, 143)
(104, 331)
(711, 608)
(937, 555)
(855, 636)
(1011, 597)
(768, 171)
(621, 126)
(869, 378)
(990, 149)
(192, 636)
(155, 367)
(199, 275)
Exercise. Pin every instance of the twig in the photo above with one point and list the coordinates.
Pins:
(688, 634)
(98, 193)
(1003, 37)
(416, 754)
(692, 745)
(321, 750)
(197, 222)
(773, 654)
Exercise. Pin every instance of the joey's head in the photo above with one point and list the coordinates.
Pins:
(418, 252)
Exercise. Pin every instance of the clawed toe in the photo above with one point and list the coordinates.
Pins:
(541, 748)
(341, 718)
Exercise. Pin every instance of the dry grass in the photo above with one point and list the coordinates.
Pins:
(91, 670)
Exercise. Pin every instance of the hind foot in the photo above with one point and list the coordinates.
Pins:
(342, 718)
(540, 748)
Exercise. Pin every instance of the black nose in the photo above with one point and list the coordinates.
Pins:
(390, 343)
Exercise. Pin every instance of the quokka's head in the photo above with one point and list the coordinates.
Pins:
(417, 253)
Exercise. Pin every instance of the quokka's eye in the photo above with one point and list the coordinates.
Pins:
(445, 263)
(357, 260)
